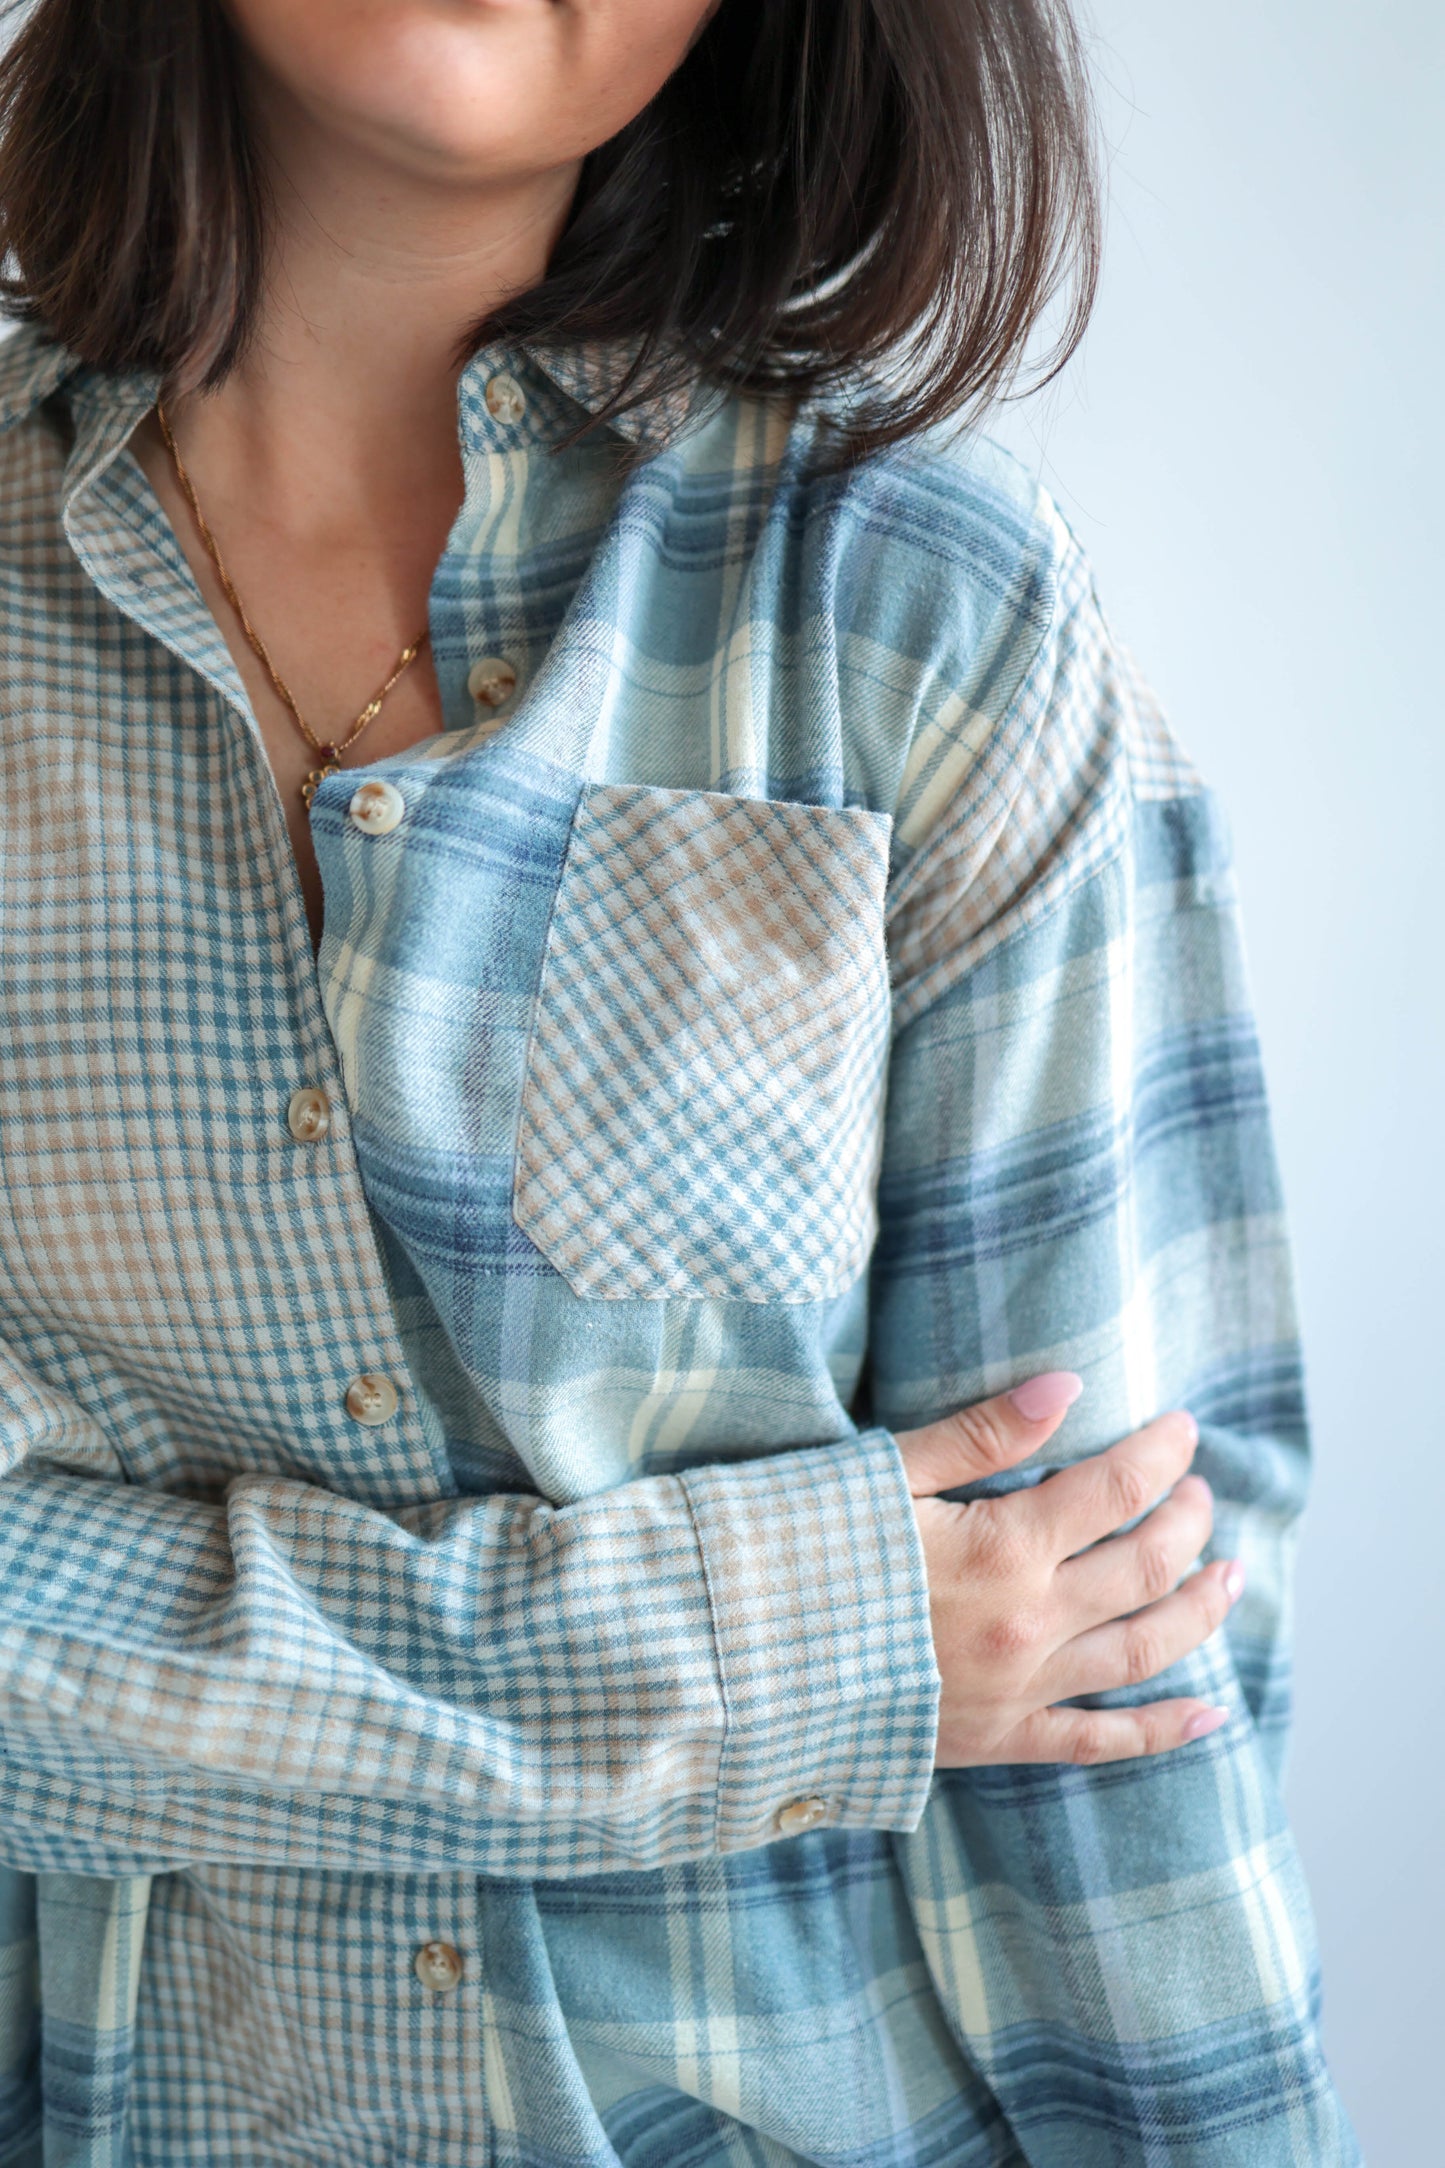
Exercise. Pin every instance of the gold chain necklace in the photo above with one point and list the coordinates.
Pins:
(330, 752)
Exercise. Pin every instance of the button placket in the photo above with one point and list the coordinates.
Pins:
(413, 1463)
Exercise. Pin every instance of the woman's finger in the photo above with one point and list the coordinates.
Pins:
(1086, 1736)
(1082, 1504)
(1130, 1650)
(1126, 1572)
(991, 1434)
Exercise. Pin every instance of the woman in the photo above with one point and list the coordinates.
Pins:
(493, 1669)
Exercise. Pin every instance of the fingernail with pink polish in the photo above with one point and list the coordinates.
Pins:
(1037, 1399)
(1208, 1720)
(1234, 1581)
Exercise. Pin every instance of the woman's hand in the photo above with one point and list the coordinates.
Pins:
(1021, 1621)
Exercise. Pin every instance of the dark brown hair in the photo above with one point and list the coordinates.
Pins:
(826, 195)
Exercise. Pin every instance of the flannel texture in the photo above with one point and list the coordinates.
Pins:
(811, 1001)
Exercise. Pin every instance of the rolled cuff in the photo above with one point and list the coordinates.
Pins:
(819, 1597)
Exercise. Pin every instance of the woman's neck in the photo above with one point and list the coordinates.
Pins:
(343, 408)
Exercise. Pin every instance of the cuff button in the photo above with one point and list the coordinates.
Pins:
(800, 1814)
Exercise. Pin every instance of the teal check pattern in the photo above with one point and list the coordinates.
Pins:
(811, 1001)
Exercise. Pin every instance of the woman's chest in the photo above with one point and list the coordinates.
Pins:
(614, 1059)
(601, 1009)
(608, 1063)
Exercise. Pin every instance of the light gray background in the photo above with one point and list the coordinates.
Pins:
(1251, 446)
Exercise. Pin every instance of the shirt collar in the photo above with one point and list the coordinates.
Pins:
(592, 372)
(33, 366)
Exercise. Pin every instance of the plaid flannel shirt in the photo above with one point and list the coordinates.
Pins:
(810, 1001)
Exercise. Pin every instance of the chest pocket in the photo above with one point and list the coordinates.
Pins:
(702, 1105)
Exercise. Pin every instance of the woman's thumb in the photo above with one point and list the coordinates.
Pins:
(992, 1434)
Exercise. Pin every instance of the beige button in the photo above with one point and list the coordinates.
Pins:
(491, 682)
(377, 807)
(800, 1814)
(371, 1398)
(439, 1967)
(308, 1114)
(506, 400)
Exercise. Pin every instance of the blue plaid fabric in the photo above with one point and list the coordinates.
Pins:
(811, 1001)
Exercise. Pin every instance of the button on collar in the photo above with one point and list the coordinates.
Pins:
(506, 400)
(377, 807)
(799, 1815)
(371, 1398)
(439, 1966)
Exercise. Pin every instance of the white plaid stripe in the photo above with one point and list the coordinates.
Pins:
(574, 1622)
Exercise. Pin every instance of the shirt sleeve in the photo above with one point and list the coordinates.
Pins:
(288, 1676)
(1079, 1174)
